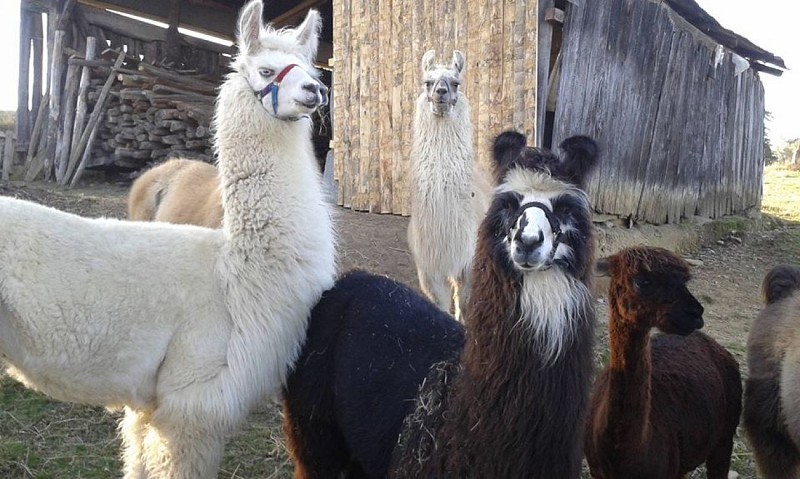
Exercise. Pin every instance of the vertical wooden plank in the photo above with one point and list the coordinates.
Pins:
(508, 94)
(64, 137)
(518, 69)
(38, 62)
(8, 154)
(81, 105)
(341, 93)
(56, 69)
(355, 88)
(485, 71)
(365, 100)
(23, 121)
(386, 99)
(543, 53)
(529, 66)
(396, 57)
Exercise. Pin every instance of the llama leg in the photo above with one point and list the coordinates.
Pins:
(183, 452)
(436, 289)
(776, 455)
(719, 461)
(133, 428)
(316, 448)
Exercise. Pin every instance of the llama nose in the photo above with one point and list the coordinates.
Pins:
(441, 90)
(529, 242)
(312, 87)
(323, 91)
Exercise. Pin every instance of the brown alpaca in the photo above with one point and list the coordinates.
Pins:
(178, 191)
(667, 403)
(771, 416)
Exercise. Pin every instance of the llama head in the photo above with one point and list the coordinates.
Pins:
(279, 64)
(649, 285)
(540, 216)
(441, 82)
(780, 282)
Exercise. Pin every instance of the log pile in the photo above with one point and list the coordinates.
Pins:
(154, 114)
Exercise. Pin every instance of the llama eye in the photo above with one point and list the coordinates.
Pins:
(428, 83)
(455, 85)
(265, 72)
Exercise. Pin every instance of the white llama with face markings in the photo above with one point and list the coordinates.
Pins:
(449, 195)
(185, 328)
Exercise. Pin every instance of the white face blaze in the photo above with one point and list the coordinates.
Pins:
(265, 53)
(532, 242)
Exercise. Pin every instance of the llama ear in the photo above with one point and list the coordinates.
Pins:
(579, 157)
(427, 60)
(458, 62)
(506, 149)
(601, 267)
(249, 27)
(307, 34)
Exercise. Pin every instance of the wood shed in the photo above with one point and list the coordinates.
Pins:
(130, 83)
(673, 98)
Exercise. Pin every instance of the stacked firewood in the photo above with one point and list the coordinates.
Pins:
(154, 114)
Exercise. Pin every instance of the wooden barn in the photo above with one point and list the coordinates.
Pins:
(673, 98)
(130, 83)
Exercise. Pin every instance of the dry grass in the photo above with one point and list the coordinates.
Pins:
(40, 438)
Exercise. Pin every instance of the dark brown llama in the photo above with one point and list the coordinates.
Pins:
(771, 417)
(667, 403)
(514, 397)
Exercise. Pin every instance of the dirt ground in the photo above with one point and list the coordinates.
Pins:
(727, 279)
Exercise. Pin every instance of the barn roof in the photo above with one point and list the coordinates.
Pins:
(759, 58)
(218, 17)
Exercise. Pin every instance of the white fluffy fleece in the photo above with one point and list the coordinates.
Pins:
(449, 197)
(185, 327)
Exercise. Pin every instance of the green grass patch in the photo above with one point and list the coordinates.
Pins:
(782, 193)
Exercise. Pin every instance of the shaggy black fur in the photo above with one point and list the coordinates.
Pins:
(371, 342)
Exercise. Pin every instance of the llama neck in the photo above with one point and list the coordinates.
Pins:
(442, 145)
(510, 376)
(267, 167)
(629, 378)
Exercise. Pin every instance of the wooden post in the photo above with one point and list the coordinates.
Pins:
(37, 130)
(38, 63)
(56, 68)
(23, 114)
(173, 37)
(94, 120)
(81, 107)
(8, 155)
(65, 128)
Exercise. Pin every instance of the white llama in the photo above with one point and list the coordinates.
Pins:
(186, 328)
(449, 194)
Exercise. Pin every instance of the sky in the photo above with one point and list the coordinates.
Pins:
(769, 24)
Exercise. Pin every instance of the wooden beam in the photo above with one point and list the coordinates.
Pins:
(200, 18)
(554, 16)
(129, 27)
(283, 19)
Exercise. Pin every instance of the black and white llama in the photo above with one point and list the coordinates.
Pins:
(510, 401)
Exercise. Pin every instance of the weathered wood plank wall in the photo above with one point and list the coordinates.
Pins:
(378, 46)
(681, 133)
